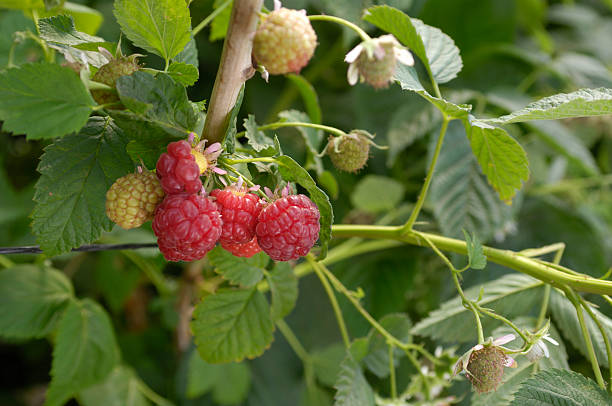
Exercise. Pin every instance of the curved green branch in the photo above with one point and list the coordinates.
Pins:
(554, 275)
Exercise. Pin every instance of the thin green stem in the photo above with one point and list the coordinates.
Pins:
(572, 185)
(547, 272)
(469, 305)
(417, 365)
(419, 204)
(293, 341)
(151, 394)
(547, 249)
(5, 262)
(604, 334)
(573, 297)
(210, 17)
(364, 35)
(272, 126)
(560, 248)
(392, 373)
(332, 299)
(355, 302)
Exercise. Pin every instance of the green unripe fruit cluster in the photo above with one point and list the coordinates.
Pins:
(349, 152)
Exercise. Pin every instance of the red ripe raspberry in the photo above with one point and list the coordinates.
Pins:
(178, 170)
(288, 228)
(239, 210)
(245, 250)
(187, 226)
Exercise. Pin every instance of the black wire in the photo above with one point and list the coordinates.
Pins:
(35, 249)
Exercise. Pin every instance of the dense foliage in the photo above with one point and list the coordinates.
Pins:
(484, 209)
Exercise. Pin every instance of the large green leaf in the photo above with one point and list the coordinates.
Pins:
(351, 385)
(560, 388)
(183, 73)
(555, 134)
(239, 271)
(501, 157)
(85, 351)
(326, 363)
(581, 103)
(291, 171)
(61, 30)
(76, 171)
(435, 49)
(408, 80)
(43, 100)
(159, 26)
(511, 295)
(232, 325)
(459, 194)
(564, 314)
(32, 300)
(158, 99)
(283, 288)
(120, 388)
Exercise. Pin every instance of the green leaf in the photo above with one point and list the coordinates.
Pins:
(376, 194)
(581, 103)
(43, 100)
(86, 19)
(32, 300)
(435, 49)
(219, 25)
(76, 171)
(312, 138)
(283, 289)
(329, 183)
(501, 158)
(231, 325)
(229, 383)
(560, 388)
(160, 100)
(511, 295)
(351, 385)
(245, 272)
(309, 96)
(326, 363)
(408, 80)
(230, 133)
(183, 73)
(476, 255)
(377, 359)
(120, 388)
(256, 138)
(61, 30)
(459, 194)
(555, 134)
(85, 351)
(159, 26)
(564, 315)
(291, 171)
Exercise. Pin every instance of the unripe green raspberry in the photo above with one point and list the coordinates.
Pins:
(486, 368)
(109, 73)
(376, 72)
(349, 152)
(132, 199)
(284, 41)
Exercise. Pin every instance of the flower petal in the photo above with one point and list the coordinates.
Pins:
(404, 56)
(504, 339)
(353, 54)
(352, 74)
(550, 339)
(510, 362)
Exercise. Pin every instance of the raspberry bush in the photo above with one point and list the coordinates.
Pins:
(465, 260)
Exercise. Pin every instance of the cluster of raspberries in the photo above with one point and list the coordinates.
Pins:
(188, 223)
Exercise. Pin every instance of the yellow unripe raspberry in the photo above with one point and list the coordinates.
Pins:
(132, 199)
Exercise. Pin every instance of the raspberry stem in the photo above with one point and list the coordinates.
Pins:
(332, 130)
(210, 17)
(364, 35)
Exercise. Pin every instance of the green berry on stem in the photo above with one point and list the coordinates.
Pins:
(108, 75)
(350, 152)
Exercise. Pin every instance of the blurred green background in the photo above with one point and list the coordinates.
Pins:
(513, 51)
